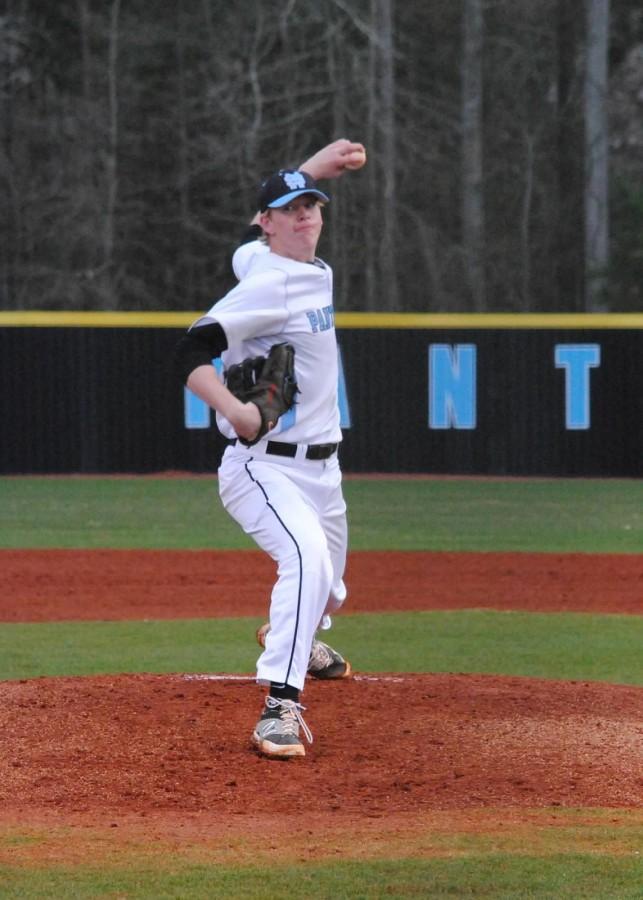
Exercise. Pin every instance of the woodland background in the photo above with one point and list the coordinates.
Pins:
(505, 142)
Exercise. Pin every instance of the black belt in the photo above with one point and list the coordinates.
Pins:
(313, 451)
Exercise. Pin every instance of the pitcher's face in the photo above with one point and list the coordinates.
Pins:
(293, 230)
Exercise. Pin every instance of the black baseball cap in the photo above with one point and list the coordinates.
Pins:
(286, 184)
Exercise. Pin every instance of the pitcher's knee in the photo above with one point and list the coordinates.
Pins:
(316, 562)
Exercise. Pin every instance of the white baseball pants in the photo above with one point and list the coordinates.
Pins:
(295, 511)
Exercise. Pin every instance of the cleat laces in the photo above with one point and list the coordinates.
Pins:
(320, 658)
(290, 715)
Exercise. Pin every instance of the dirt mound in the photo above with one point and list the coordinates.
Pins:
(137, 745)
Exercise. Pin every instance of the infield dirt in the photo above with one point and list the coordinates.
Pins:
(168, 755)
(53, 585)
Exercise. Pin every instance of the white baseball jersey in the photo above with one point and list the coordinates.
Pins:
(280, 299)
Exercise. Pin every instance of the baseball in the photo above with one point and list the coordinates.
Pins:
(355, 160)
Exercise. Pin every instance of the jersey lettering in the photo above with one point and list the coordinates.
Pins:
(321, 319)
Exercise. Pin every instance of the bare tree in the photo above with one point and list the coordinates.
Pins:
(569, 258)
(111, 156)
(596, 154)
(473, 228)
(386, 147)
(133, 136)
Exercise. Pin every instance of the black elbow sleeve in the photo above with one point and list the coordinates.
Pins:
(187, 357)
(198, 347)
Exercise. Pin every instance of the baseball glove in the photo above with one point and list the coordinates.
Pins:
(268, 382)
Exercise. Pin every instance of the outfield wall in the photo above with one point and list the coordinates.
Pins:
(558, 395)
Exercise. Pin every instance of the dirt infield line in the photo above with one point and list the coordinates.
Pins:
(57, 585)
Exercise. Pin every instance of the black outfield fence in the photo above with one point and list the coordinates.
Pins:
(558, 395)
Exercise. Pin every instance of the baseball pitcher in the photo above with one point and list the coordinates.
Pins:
(280, 477)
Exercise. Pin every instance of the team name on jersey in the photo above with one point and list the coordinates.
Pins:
(321, 319)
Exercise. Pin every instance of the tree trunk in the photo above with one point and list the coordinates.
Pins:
(473, 225)
(85, 49)
(371, 255)
(183, 157)
(596, 155)
(387, 142)
(570, 256)
(111, 155)
(338, 239)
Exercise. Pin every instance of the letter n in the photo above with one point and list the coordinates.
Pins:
(452, 386)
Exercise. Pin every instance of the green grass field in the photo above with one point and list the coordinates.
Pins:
(384, 514)
(497, 876)
(595, 860)
(564, 645)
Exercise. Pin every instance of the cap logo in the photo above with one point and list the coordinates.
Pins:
(294, 180)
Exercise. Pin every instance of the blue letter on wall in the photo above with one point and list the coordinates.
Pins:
(452, 386)
(577, 360)
(342, 395)
(196, 413)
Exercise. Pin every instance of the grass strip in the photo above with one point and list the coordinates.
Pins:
(565, 877)
(574, 646)
(547, 515)
(540, 831)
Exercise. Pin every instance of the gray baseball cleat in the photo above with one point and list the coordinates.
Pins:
(327, 664)
(324, 662)
(277, 732)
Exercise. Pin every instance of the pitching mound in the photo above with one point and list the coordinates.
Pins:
(106, 749)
